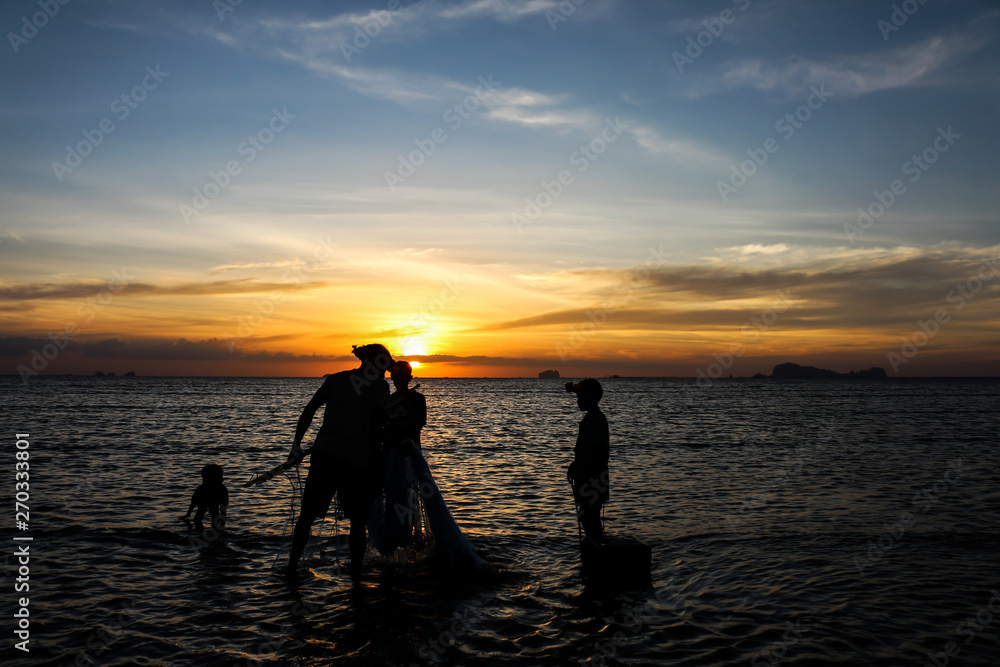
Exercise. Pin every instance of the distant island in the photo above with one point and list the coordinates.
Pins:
(790, 371)
(548, 375)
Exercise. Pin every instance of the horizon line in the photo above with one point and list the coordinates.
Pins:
(523, 377)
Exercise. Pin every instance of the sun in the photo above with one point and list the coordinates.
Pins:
(414, 346)
(414, 364)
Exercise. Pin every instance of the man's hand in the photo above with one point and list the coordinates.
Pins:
(296, 454)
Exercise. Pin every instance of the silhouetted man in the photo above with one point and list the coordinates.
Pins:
(345, 458)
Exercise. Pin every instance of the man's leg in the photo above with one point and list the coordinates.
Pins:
(315, 502)
(357, 492)
(299, 537)
(359, 543)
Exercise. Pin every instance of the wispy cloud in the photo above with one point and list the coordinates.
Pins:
(222, 268)
(398, 87)
(831, 290)
(503, 10)
(317, 36)
(216, 349)
(852, 75)
(83, 289)
(182, 349)
(762, 249)
(680, 150)
(519, 106)
(318, 45)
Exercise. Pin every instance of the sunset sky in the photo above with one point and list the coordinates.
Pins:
(498, 187)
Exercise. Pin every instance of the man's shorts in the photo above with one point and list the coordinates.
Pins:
(330, 474)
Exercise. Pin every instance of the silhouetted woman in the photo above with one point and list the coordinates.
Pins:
(410, 492)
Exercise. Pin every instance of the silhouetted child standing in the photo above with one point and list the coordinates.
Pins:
(212, 497)
(589, 471)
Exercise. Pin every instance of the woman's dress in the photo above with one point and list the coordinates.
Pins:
(410, 511)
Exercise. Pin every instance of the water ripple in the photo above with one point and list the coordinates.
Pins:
(805, 523)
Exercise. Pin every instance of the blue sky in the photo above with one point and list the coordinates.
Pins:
(347, 114)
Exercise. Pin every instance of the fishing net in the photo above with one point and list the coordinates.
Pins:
(324, 543)
(410, 518)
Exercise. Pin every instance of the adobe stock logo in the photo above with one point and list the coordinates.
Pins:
(915, 167)
(454, 116)
(38, 20)
(898, 18)
(249, 149)
(122, 106)
(714, 27)
(786, 126)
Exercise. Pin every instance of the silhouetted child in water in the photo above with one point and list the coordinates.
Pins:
(212, 497)
(589, 471)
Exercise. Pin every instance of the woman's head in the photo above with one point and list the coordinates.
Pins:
(375, 354)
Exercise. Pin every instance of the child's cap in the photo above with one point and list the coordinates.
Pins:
(588, 387)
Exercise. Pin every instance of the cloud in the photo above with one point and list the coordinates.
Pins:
(830, 290)
(404, 89)
(84, 289)
(682, 151)
(545, 118)
(213, 349)
(502, 10)
(216, 349)
(330, 44)
(222, 268)
(17, 308)
(326, 46)
(414, 16)
(400, 332)
(761, 249)
(15, 346)
(516, 106)
(851, 75)
(858, 300)
(473, 360)
(182, 349)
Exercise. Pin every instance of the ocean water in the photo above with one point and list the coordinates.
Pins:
(819, 523)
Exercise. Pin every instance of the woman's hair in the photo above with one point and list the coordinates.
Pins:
(374, 353)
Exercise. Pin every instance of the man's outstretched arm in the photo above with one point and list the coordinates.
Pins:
(305, 419)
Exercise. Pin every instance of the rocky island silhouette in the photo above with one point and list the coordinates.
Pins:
(793, 371)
